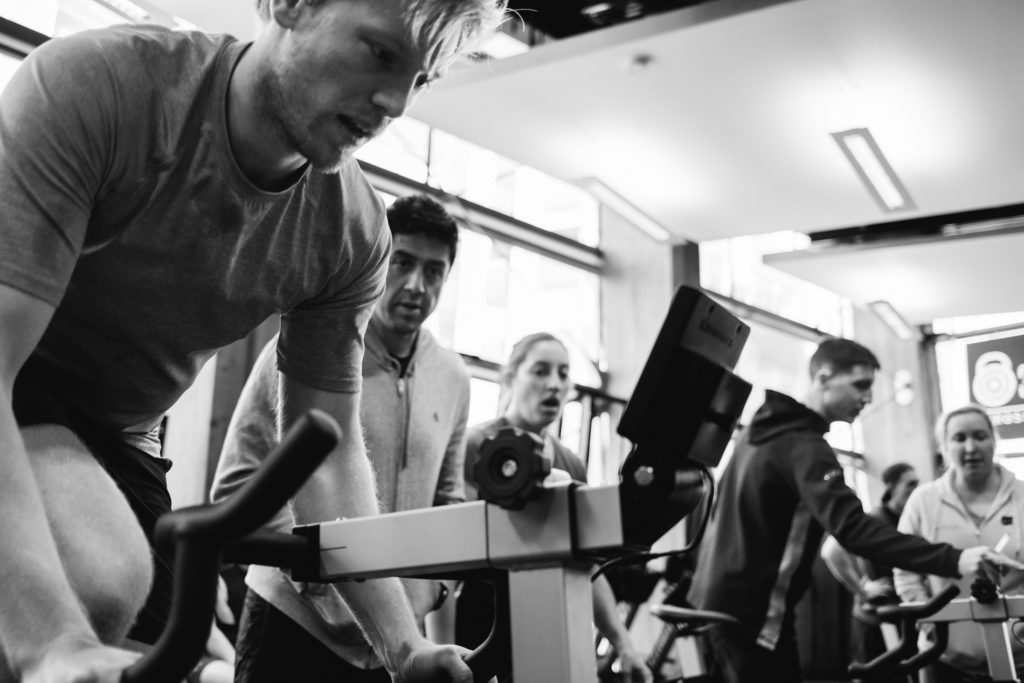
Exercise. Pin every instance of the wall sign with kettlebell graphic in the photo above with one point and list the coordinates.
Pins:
(995, 370)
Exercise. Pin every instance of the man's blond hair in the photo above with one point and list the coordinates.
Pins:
(444, 29)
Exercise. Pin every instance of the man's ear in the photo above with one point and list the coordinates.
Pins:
(820, 377)
(286, 12)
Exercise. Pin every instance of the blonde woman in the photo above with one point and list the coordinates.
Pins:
(977, 501)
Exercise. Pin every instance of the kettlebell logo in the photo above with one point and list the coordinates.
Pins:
(995, 382)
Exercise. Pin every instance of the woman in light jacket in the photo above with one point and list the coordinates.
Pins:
(976, 502)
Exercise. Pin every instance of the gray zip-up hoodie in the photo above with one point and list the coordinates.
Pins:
(415, 430)
(936, 512)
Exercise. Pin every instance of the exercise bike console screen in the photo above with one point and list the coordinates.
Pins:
(681, 415)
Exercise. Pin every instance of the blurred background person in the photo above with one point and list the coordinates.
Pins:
(871, 583)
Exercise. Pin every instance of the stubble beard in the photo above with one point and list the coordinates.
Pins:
(273, 104)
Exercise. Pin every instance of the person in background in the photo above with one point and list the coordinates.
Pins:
(162, 193)
(780, 492)
(977, 500)
(414, 408)
(871, 583)
(536, 384)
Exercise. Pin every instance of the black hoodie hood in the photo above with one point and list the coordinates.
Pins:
(781, 413)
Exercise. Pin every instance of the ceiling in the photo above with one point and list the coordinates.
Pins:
(923, 278)
(715, 121)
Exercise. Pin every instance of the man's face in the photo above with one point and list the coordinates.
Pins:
(338, 74)
(416, 273)
(844, 394)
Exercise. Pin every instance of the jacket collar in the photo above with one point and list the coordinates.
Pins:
(378, 353)
(780, 414)
(1006, 486)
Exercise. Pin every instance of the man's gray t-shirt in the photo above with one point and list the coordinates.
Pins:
(122, 204)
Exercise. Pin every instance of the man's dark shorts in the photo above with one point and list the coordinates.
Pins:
(141, 477)
(272, 648)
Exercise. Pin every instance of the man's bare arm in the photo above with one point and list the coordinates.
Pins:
(344, 487)
(41, 619)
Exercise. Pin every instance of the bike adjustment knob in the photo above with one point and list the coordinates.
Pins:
(511, 468)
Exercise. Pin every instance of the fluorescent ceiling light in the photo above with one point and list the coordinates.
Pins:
(893, 320)
(621, 206)
(128, 9)
(860, 148)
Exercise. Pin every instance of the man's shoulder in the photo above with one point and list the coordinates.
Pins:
(120, 71)
(362, 206)
(786, 442)
(448, 360)
(139, 47)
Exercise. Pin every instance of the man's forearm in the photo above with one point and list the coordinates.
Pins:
(37, 603)
(840, 563)
(344, 487)
(606, 616)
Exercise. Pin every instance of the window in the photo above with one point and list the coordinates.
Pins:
(404, 148)
(483, 401)
(454, 166)
(734, 268)
(484, 177)
(498, 293)
(62, 17)
(7, 66)
(773, 360)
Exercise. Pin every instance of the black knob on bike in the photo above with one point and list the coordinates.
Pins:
(511, 467)
(984, 591)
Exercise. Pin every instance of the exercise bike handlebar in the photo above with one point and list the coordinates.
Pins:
(905, 658)
(199, 535)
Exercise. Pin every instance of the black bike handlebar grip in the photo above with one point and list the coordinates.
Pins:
(198, 536)
(684, 616)
(897, 659)
(303, 448)
(928, 655)
(889, 659)
(919, 611)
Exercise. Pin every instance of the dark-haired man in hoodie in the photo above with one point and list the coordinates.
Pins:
(780, 492)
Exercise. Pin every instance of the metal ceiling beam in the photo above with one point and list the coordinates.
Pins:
(565, 18)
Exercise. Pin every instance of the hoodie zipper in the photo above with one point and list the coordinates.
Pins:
(404, 400)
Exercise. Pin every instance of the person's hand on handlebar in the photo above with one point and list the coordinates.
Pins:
(985, 562)
(633, 668)
(876, 592)
(429, 662)
(79, 659)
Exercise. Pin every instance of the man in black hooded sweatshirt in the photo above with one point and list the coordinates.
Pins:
(780, 492)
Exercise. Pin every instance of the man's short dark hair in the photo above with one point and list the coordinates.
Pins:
(842, 355)
(420, 214)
